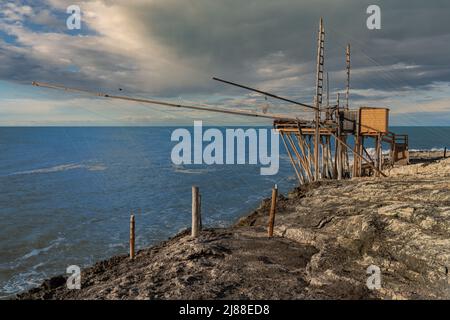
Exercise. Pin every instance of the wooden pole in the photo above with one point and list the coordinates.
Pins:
(339, 159)
(345, 161)
(195, 213)
(380, 149)
(132, 237)
(168, 104)
(272, 211)
(309, 151)
(445, 152)
(347, 91)
(306, 153)
(299, 157)
(360, 162)
(378, 153)
(393, 151)
(200, 211)
(355, 160)
(337, 147)
(331, 171)
(328, 114)
(316, 146)
(322, 159)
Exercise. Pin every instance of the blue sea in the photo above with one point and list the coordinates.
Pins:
(66, 194)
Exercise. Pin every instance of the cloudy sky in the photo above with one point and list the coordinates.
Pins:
(170, 49)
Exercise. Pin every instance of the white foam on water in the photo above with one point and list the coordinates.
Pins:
(36, 252)
(117, 245)
(61, 168)
(22, 281)
(182, 169)
(428, 150)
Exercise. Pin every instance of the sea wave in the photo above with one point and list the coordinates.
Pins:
(61, 168)
(428, 150)
(182, 169)
(36, 252)
(32, 277)
(22, 281)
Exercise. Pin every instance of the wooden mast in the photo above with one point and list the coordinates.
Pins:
(318, 97)
(347, 92)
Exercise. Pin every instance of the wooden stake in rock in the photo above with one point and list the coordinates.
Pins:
(132, 237)
(200, 212)
(445, 152)
(195, 212)
(272, 211)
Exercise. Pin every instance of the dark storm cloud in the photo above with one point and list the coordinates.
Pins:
(231, 35)
(259, 42)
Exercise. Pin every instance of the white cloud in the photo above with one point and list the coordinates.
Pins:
(13, 12)
(171, 48)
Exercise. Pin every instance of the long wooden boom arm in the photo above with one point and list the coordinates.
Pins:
(168, 104)
(265, 93)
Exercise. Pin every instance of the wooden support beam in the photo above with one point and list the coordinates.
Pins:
(378, 154)
(358, 155)
(337, 146)
(306, 152)
(330, 166)
(299, 177)
(300, 159)
(360, 162)
(346, 164)
(316, 147)
(338, 159)
(368, 155)
(355, 160)
(322, 159)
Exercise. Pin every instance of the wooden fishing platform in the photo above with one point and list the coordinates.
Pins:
(340, 126)
(318, 148)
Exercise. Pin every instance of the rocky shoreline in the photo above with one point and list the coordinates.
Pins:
(326, 236)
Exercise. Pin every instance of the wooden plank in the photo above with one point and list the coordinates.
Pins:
(374, 120)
